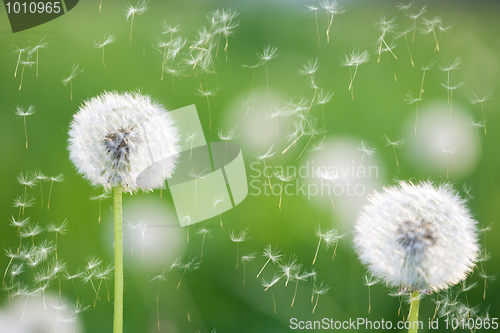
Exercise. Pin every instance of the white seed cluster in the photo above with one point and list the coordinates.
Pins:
(115, 137)
(417, 237)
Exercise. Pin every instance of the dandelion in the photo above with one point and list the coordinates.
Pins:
(20, 112)
(158, 278)
(59, 178)
(450, 89)
(25, 63)
(207, 94)
(366, 150)
(472, 123)
(411, 99)
(424, 69)
(61, 229)
(75, 70)
(405, 236)
(107, 39)
(487, 96)
(196, 175)
(141, 8)
(41, 45)
(244, 260)
(447, 152)
(191, 265)
(323, 98)
(125, 142)
(271, 255)
(394, 144)
(284, 178)
(218, 199)
(331, 8)
(269, 53)
(242, 236)
(430, 26)
(319, 290)
(385, 27)
(268, 155)
(315, 10)
(354, 59)
(227, 136)
(100, 198)
(203, 231)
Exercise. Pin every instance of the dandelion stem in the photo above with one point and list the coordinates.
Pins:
(50, 193)
(307, 144)
(118, 301)
(413, 316)
(408, 46)
(422, 85)
(484, 119)
(295, 293)
(26, 132)
(369, 300)
(316, 304)
(131, 25)
(293, 143)
(267, 175)
(274, 303)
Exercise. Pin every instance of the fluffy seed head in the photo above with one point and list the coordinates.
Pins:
(116, 138)
(417, 237)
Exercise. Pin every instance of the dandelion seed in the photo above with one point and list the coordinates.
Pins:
(141, 8)
(289, 267)
(487, 96)
(271, 255)
(366, 150)
(174, 70)
(227, 25)
(268, 155)
(203, 231)
(100, 198)
(329, 236)
(16, 270)
(411, 99)
(107, 39)
(482, 274)
(12, 255)
(315, 10)
(404, 33)
(327, 174)
(103, 275)
(61, 229)
(20, 51)
(331, 8)
(450, 91)
(394, 144)
(319, 290)
(22, 203)
(270, 283)
(158, 278)
(191, 265)
(75, 70)
(31, 231)
(424, 69)
(430, 26)
(370, 280)
(244, 260)
(79, 308)
(57, 267)
(25, 63)
(448, 151)
(385, 27)
(26, 180)
(275, 115)
(450, 67)
(59, 178)
(21, 113)
(207, 94)
(284, 178)
(299, 277)
(227, 136)
(355, 58)
(218, 199)
(70, 277)
(41, 45)
(38, 175)
(414, 17)
(242, 236)
(323, 98)
(471, 122)
(310, 69)
(269, 53)
(196, 175)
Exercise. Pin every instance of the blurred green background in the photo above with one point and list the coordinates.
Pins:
(213, 296)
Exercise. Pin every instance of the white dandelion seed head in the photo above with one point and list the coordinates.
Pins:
(114, 138)
(417, 237)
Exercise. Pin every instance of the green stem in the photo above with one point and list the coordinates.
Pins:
(413, 316)
(118, 314)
